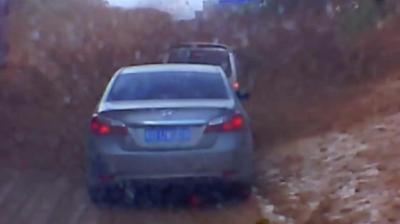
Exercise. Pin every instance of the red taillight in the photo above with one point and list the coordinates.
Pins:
(236, 85)
(236, 122)
(99, 127)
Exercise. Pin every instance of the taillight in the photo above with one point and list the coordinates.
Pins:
(235, 123)
(236, 85)
(99, 127)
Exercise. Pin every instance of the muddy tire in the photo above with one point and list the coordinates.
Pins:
(241, 192)
(95, 195)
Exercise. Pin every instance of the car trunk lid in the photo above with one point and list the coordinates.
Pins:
(159, 128)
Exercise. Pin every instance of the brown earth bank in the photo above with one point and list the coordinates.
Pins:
(346, 175)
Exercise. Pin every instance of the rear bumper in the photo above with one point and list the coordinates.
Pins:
(208, 165)
(188, 183)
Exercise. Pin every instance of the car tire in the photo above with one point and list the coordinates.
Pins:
(96, 195)
(241, 192)
(245, 192)
(105, 196)
(96, 191)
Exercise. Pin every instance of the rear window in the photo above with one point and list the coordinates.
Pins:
(168, 85)
(201, 56)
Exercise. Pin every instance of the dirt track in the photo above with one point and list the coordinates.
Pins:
(31, 198)
(304, 181)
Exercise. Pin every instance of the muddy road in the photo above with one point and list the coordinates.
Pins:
(40, 198)
(347, 175)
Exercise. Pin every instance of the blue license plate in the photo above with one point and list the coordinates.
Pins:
(167, 135)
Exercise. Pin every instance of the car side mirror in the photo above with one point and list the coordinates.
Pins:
(243, 95)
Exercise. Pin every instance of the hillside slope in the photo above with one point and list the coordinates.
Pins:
(347, 175)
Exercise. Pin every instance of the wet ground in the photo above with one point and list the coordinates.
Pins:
(350, 175)
(40, 198)
(339, 177)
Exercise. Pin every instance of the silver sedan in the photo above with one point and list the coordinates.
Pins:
(168, 125)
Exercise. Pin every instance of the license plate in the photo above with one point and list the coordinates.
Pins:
(167, 135)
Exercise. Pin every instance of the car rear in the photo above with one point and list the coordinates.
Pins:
(168, 126)
(209, 54)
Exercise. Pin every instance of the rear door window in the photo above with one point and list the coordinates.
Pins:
(202, 56)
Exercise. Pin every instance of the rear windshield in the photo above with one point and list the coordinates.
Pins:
(201, 56)
(168, 85)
